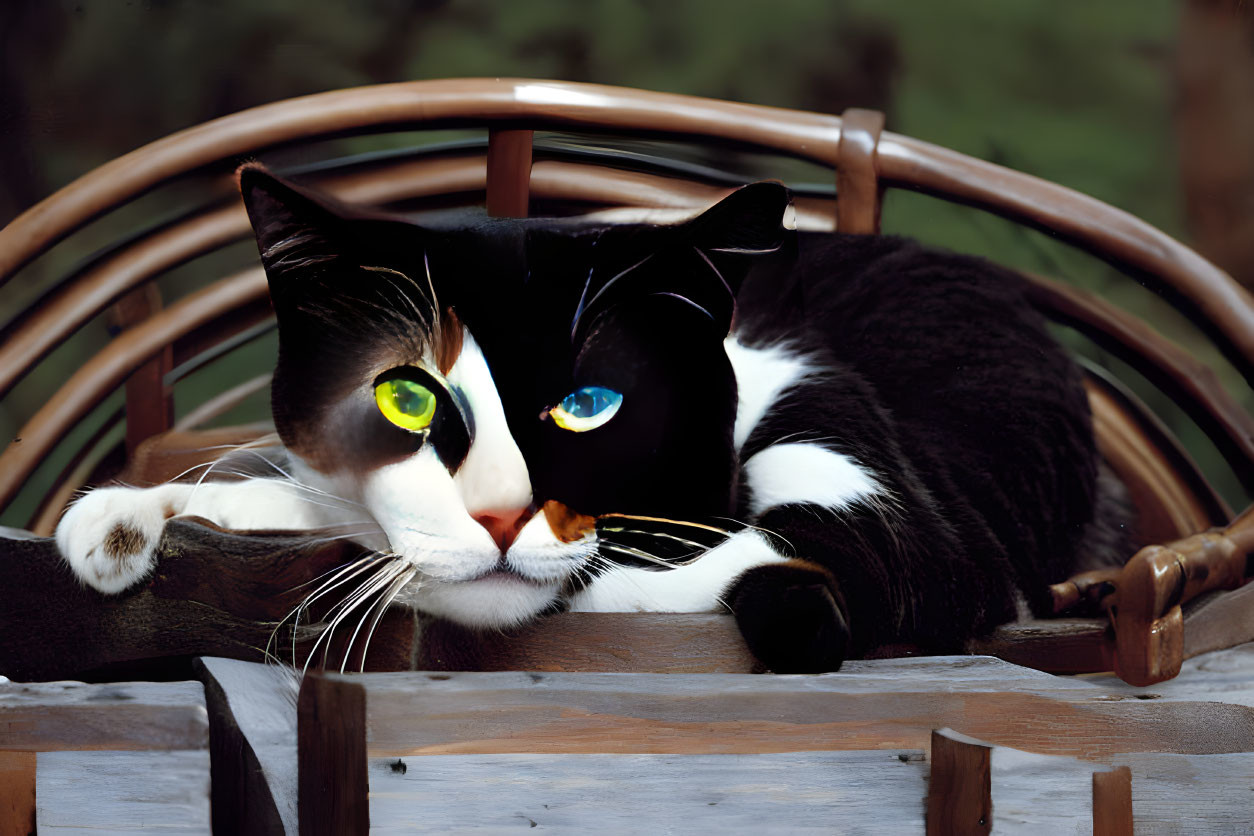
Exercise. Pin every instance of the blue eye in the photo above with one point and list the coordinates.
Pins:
(586, 408)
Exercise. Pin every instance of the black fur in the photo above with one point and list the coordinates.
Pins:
(936, 376)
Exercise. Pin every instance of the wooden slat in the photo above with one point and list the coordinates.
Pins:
(52, 716)
(214, 592)
(252, 720)
(1198, 795)
(604, 642)
(893, 705)
(149, 402)
(17, 793)
(858, 189)
(1112, 802)
(123, 792)
(333, 789)
(509, 173)
(801, 792)
(959, 788)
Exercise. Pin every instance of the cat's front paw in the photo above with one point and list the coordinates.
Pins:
(109, 537)
(792, 616)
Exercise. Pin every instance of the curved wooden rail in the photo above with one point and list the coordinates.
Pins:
(900, 161)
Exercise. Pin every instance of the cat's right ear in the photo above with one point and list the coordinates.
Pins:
(294, 230)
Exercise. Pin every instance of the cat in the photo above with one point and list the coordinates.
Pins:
(847, 441)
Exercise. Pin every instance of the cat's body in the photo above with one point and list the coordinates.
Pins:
(858, 440)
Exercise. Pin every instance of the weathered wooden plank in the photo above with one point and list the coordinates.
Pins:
(1191, 794)
(17, 793)
(549, 713)
(213, 592)
(252, 718)
(586, 641)
(1041, 795)
(123, 792)
(806, 792)
(43, 717)
(959, 787)
(331, 757)
(979, 787)
(1223, 676)
(1056, 645)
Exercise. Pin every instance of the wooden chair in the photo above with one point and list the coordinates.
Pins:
(159, 342)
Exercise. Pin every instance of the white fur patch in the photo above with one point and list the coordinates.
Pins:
(762, 375)
(697, 587)
(806, 473)
(494, 476)
(84, 532)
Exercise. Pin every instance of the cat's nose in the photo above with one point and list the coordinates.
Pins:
(504, 525)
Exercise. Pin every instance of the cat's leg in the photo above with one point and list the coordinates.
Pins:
(109, 537)
(697, 587)
(874, 550)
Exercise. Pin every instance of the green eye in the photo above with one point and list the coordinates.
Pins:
(408, 405)
(586, 409)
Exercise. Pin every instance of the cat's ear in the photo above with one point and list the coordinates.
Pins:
(294, 230)
(753, 220)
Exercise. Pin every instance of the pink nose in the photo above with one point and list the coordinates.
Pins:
(504, 524)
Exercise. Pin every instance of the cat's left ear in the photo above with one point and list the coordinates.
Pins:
(752, 221)
(295, 230)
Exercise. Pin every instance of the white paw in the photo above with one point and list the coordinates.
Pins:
(109, 537)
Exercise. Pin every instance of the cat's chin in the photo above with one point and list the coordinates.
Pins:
(494, 601)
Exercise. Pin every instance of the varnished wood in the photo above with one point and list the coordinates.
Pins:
(17, 793)
(509, 172)
(1112, 234)
(1167, 508)
(149, 402)
(959, 788)
(1149, 624)
(1193, 385)
(331, 757)
(858, 189)
(1112, 802)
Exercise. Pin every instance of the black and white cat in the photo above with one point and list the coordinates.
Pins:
(848, 441)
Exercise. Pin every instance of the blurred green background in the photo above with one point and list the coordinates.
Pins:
(1089, 95)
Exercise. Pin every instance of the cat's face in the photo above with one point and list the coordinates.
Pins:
(485, 394)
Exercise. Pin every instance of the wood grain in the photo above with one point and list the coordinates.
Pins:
(333, 788)
(252, 721)
(415, 713)
(509, 172)
(1197, 795)
(1040, 795)
(802, 792)
(1112, 802)
(214, 592)
(604, 642)
(123, 792)
(17, 793)
(52, 716)
(959, 788)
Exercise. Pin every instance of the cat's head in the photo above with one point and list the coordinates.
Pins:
(488, 390)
